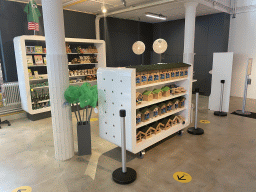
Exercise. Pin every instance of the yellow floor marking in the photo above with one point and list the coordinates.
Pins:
(182, 177)
(23, 189)
(94, 119)
(205, 121)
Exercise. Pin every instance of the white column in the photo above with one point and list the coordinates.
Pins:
(57, 68)
(189, 35)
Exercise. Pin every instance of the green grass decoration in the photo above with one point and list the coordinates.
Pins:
(156, 91)
(146, 92)
(85, 96)
(164, 89)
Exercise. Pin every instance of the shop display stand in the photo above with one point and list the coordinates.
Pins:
(117, 90)
(124, 175)
(195, 130)
(247, 82)
(220, 112)
(20, 44)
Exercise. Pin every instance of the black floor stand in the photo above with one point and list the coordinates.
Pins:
(195, 130)
(220, 112)
(4, 122)
(124, 175)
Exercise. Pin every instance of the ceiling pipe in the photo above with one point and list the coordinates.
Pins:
(98, 17)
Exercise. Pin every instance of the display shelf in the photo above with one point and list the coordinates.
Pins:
(158, 137)
(82, 53)
(153, 119)
(42, 110)
(77, 83)
(161, 83)
(20, 44)
(37, 66)
(147, 103)
(40, 87)
(41, 101)
(117, 90)
(84, 64)
(40, 79)
(36, 53)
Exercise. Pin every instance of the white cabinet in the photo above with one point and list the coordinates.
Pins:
(40, 85)
(117, 90)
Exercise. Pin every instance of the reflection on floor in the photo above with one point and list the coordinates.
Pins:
(223, 159)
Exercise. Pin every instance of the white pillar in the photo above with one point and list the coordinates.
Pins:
(189, 35)
(57, 68)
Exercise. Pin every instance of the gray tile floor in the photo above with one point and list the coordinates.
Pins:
(223, 159)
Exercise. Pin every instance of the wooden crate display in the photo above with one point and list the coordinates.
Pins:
(166, 91)
(162, 108)
(158, 126)
(144, 78)
(168, 74)
(176, 103)
(138, 79)
(139, 98)
(181, 119)
(156, 76)
(148, 131)
(157, 93)
(174, 119)
(154, 110)
(138, 117)
(145, 114)
(167, 122)
(162, 74)
(147, 95)
(150, 77)
(169, 106)
(140, 135)
(182, 102)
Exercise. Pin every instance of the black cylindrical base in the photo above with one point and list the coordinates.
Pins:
(240, 112)
(220, 113)
(195, 131)
(124, 178)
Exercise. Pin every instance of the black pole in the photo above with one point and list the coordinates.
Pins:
(195, 130)
(124, 175)
(220, 112)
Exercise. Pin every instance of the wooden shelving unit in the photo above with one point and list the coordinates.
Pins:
(117, 90)
(20, 44)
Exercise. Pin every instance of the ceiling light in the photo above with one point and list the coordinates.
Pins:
(103, 9)
(156, 16)
(124, 2)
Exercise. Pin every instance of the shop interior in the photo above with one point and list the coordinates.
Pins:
(98, 92)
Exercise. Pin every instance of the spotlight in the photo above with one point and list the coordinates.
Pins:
(103, 9)
(124, 2)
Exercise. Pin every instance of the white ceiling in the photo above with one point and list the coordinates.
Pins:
(173, 10)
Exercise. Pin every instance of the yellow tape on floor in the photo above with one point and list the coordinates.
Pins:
(182, 177)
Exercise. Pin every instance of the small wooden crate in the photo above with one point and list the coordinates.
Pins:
(156, 76)
(140, 136)
(144, 78)
(138, 79)
(172, 72)
(150, 77)
(162, 74)
(167, 74)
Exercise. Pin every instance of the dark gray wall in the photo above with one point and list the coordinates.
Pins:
(120, 35)
(211, 35)
(14, 23)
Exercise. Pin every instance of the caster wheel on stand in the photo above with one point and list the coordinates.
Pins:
(142, 154)
(9, 124)
(180, 133)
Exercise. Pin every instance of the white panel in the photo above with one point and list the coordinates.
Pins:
(241, 42)
(222, 70)
(115, 93)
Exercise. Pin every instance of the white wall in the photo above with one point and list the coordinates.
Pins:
(243, 43)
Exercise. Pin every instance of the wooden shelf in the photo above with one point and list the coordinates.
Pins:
(83, 64)
(35, 53)
(37, 66)
(45, 109)
(161, 83)
(147, 103)
(83, 82)
(82, 53)
(158, 137)
(41, 101)
(40, 79)
(40, 87)
(151, 120)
